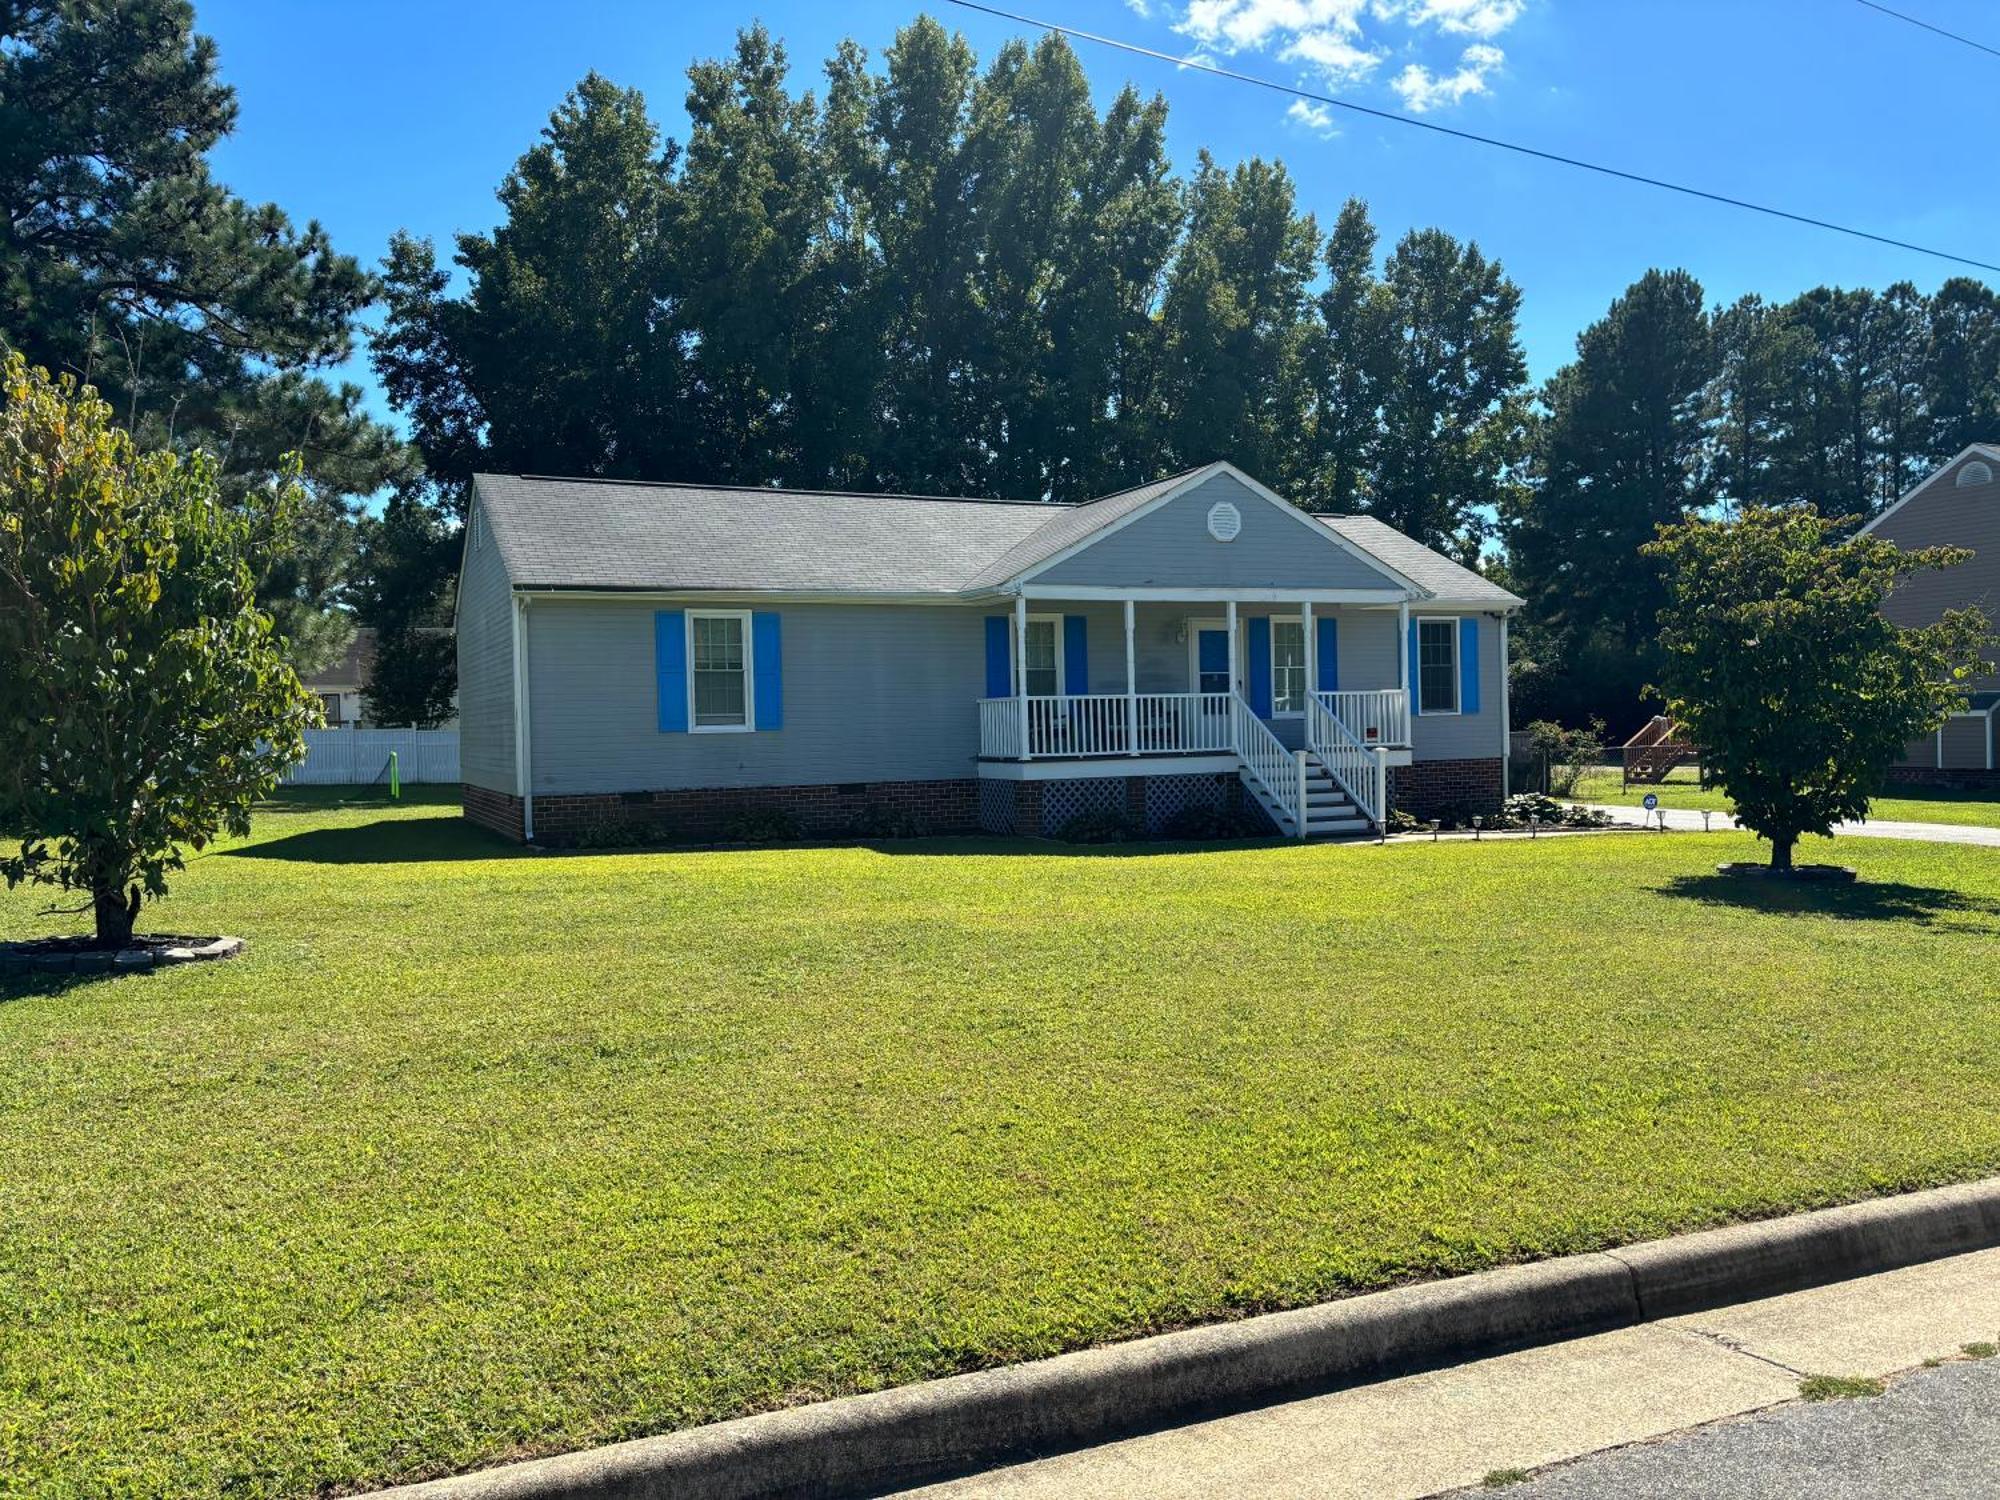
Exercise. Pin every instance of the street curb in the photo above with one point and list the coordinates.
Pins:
(861, 1445)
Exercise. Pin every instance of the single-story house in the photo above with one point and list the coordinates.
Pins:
(679, 657)
(1958, 506)
(342, 685)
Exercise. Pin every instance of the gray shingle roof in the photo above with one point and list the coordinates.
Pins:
(565, 533)
(1429, 570)
(606, 534)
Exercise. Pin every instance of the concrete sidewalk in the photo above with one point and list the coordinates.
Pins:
(1688, 821)
(1425, 1434)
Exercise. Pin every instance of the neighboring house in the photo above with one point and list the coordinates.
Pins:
(679, 656)
(1957, 506)
(340, 687)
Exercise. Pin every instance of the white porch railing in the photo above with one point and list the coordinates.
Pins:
(1377, 717)
(1276, 770)
(1107, 724)
(1362, 770)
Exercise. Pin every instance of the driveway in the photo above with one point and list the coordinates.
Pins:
(1690, 821)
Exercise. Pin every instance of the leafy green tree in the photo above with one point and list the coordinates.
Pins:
(146, 702)
(565, 355)
(200, 317)
(1618, 454)
(403, 591)
(1962, 366)
(1235, 381)
(751, 204)
(1454, 412)
(1348, 355)
(1780, 662)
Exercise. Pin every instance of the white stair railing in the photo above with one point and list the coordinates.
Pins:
(1271, 766)
(1362, 770)
(1379, 716)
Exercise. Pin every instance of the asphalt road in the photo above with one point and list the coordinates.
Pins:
(1934, 1434)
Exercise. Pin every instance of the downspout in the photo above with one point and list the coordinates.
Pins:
(1506, 717)
(524, 783)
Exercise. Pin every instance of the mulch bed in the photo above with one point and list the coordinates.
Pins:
(1796, 875)
(72, 955)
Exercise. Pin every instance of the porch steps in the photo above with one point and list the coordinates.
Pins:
(1330, 812)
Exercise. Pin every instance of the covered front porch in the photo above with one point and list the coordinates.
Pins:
(1288, 688)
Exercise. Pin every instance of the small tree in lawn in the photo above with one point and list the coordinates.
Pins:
(1800, 692)
(144, 702)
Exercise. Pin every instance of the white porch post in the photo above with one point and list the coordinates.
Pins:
(1131, 682)
(1021, 667)
(1940, 747)
(1989, 735)
(1403, 649)
(1312, 652)
(1230, 618)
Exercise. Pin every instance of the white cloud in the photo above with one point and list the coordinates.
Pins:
(1141, 8)
(1485, 19)
(1345, 43)
(1234, 25)
(1421, 90)
(1317, 118)
(1337, 59)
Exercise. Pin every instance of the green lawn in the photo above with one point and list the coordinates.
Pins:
(1682, 789)
(477, 1154)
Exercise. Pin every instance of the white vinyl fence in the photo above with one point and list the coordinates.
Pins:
(360, 757)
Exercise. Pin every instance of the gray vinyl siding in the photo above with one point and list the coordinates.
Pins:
(1170, 547)
(1964, 744)
(1942, 514)
(486, 670)
(872, 692)
(1463, 736)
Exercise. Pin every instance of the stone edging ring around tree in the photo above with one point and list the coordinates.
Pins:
(72, 955)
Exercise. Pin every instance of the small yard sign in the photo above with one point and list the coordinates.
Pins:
(1650, 801)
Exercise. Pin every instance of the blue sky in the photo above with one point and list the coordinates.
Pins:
(372, 116)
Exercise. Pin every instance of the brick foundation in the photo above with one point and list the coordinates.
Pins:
(1948, 777)
(1429, 787)
(708, 815)
(499, 811)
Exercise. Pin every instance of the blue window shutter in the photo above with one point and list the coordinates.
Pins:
(1468, 666)
(670, 668)
(1329, 653)
(1416, 679)
(1260, 665)
(1076, 656)
(998, 684)
(767, 663)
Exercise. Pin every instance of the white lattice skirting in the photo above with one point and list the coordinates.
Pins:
(1169, 796)
(996, 806)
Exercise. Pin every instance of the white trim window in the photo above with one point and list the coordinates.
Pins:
(1288, 668)
(1044, 675)
(1437, 666)
(718, 671)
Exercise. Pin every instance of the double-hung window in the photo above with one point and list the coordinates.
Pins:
(1042, 673)
(719, 669)
(1437, 666)
(1288, 666)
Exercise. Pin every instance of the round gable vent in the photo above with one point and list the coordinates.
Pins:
(1224, 521)
(1976, 472)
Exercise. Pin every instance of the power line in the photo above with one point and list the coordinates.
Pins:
(1964, 41)
(1468, 135)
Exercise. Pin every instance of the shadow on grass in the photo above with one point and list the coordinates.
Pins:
(45, 984)
(392, 841)
(1864, 900)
